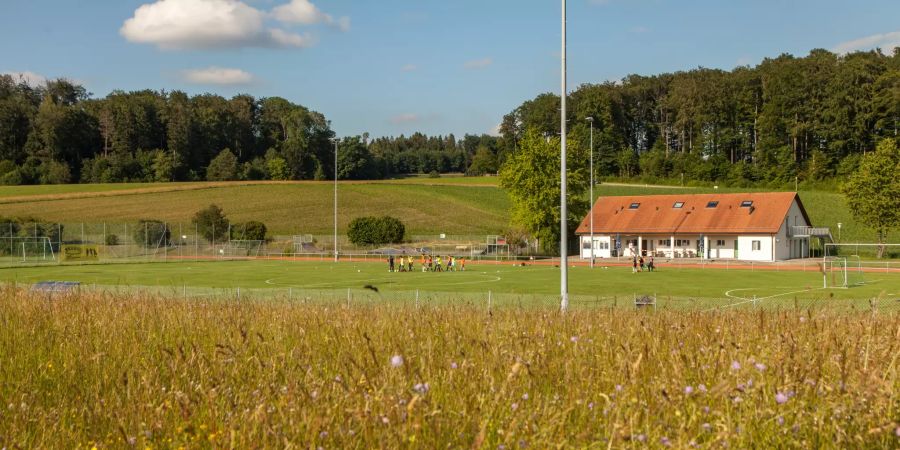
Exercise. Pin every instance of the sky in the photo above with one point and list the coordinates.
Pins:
(391, 67)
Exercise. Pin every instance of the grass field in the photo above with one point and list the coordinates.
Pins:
(131, 371)
(538, 284)
(452, 205)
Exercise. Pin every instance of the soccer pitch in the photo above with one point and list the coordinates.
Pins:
(533, 280)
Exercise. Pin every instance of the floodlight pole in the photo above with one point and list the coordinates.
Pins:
(563, 213)
(591, 199)
(335, 139)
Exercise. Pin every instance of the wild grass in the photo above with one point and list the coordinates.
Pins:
(120, 372)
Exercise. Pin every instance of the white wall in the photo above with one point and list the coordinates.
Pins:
(785, 247)
(721, 251)
(746, 252)
(600, 241)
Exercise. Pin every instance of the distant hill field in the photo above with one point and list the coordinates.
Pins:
(453, 205)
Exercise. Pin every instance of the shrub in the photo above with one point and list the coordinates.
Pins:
(152, 233)
(223, 167)
(249, 231)
(112, 239)
(434, 174)
(376, 230)
(212, 224)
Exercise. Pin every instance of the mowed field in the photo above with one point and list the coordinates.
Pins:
(539, 285)
(452, 205)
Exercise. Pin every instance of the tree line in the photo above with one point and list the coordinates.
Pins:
(789, 118)
(57, 133)
(807, 117)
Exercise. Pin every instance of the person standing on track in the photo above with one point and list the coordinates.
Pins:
(437, 264)
(391, 263)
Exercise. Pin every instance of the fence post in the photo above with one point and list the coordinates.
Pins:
(348, 297)
(489, 300)
(417, 299)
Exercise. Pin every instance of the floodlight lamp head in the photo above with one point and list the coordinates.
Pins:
(589, 119)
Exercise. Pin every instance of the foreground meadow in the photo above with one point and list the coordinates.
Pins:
(115, 371)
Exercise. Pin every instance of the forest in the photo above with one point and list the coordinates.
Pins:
(787, 119)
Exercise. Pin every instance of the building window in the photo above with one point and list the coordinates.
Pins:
(746, 203)
(602, 245)
(720, 242)
(665, 242)
(712, 204)
(586, 245)
(634, 206)
(682, 242)
(757, 245)
(678, 205)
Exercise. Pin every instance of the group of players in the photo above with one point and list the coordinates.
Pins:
(428, 263)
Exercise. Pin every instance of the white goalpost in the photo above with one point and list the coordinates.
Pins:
(27, 249)
(834, 249)
(242, 248)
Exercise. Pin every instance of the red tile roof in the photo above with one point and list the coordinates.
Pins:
(657, 214)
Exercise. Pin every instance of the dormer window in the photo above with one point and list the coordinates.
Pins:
(712, 204)
(746, 203)
(634, 206)
(678, 205)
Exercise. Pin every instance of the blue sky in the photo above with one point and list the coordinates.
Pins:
(390, 67)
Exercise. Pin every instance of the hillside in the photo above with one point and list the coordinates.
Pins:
(428, 206)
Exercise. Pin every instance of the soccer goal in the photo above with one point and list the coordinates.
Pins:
(867, 249)
(239, 248)
(27, 249)
(839, 272)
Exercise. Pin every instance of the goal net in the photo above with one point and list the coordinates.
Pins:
(238, 248)
(840, 272)
(27, 249)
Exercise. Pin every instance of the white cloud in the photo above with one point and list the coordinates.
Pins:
(478, 63)
(206, 24)
(409, 68)
(306, 13)
(30, 78)
(405, 118)
(885, 41)
(286, 39)
(219, 76)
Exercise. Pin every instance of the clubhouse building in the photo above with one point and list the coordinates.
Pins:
(762, 226)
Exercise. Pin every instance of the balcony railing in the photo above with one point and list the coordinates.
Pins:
(809, 232)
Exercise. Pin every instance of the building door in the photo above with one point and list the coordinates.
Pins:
(735, 248)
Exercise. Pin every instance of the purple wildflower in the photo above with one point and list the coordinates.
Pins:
(396, 361)
(525, 396)
(619, 387)
(421, 388)
(897, 431)
(665, 442)
(574, 339)
(514, 406)
(323, 435)
(640, 438)
(591, 407)
(706, 410)
(781, 398)
(454, 366)
(706, 427)
(760, 366)
(735, 365)
(688, 390)
(780, 421)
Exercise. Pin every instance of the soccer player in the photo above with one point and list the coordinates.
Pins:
(437, 265)
(391, 263)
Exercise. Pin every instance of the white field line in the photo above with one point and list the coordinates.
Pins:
(757, 299)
